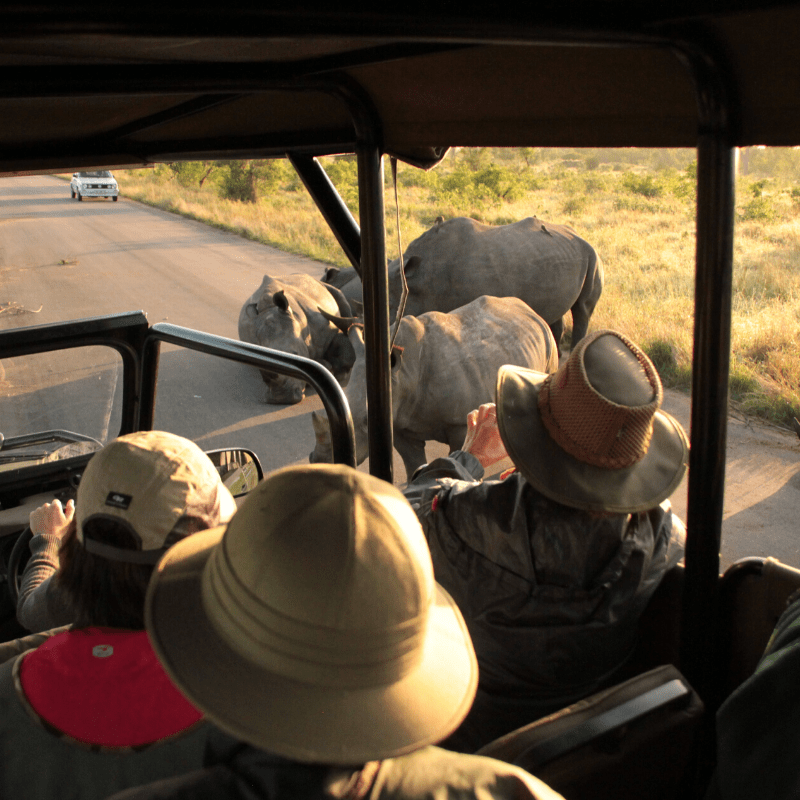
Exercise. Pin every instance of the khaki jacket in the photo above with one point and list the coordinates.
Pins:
(427, 774)
(551, 595)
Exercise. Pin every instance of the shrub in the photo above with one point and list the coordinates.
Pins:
(343, 172)
(573, 206)
(247, 180)
(761, 209)
(191, 173)
(645, 185)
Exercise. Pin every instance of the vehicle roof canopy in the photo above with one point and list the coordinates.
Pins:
(99, 85)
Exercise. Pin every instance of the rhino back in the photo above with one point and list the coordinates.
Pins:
(544, 264)
(451, 368)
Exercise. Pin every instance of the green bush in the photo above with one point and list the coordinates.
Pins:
(343, 172)
(574, 206)
(191, 173)
(635, 204)
(247, 180)
(759, 209)
(645, 185)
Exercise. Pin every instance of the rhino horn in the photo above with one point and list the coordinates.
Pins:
(341, 301)
(342, 323)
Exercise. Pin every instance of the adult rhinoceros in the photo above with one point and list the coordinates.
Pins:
(345, 279)
(548, 266)
(443, 367)
(284, 314)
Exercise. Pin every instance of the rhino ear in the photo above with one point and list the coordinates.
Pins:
(330, 274)
(281, 301)
(396, 356)
(251, 310)
(412, 264)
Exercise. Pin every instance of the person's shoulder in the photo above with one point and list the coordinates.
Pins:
(421, 774)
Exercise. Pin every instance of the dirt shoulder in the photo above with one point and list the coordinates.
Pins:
(762, 487)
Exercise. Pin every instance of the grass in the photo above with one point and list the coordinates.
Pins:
(636, 207)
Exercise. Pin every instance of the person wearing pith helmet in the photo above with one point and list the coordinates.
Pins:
(553, 563)
(311, 629)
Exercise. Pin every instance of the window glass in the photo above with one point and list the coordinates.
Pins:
(220, 404)
(77, 390)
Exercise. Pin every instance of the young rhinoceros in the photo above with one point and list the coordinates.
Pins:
(443, 367)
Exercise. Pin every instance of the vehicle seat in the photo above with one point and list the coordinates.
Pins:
(753, 595)
(632, 740)
(659, 628)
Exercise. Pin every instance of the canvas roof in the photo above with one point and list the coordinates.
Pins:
(99, 85)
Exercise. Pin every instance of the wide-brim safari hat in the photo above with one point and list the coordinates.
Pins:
(591, 435)
(311, 626)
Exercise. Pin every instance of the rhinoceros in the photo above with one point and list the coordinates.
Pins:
(345, 279)
(548, 266)
(286, 314)
(443, 367)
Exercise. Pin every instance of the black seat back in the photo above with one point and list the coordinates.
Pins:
(632, 740)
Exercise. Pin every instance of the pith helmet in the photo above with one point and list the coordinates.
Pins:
(311, 626)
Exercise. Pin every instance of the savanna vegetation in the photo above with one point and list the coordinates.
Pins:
(636, 207)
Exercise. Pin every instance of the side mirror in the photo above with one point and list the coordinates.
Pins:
(239, 469)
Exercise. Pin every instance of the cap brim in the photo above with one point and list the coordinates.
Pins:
(298, 720)
(565, 479)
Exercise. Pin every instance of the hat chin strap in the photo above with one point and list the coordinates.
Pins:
(123, 554)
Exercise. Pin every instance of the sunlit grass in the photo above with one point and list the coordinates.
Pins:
(639, 218)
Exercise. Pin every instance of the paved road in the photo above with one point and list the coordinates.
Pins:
(60, 259)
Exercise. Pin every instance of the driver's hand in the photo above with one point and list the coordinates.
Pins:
(51, 519)
(483, 436)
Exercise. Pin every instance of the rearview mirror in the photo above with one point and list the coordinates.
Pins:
(239, 469)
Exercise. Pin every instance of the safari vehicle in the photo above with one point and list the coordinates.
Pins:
(312, 80)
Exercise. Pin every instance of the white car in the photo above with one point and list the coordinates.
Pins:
(98, 183)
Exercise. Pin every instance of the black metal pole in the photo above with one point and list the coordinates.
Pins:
(331, 205)
(699, 655)
(711, 363)
(376, 309)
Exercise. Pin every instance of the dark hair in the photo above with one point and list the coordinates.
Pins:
(103, 592)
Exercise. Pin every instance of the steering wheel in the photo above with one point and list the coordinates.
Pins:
(14, 575)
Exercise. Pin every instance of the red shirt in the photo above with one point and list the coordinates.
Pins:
(104, 686)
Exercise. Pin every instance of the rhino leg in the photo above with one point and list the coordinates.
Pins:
(558, 331)
(322, 452)
(282, 390)
(584, 306)
(455, 436)
(411, 450)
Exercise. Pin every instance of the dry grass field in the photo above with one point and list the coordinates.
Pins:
(636, 207)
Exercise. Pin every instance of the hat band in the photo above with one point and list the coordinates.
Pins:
(602, 434)
(124, 554)
(298, 650)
